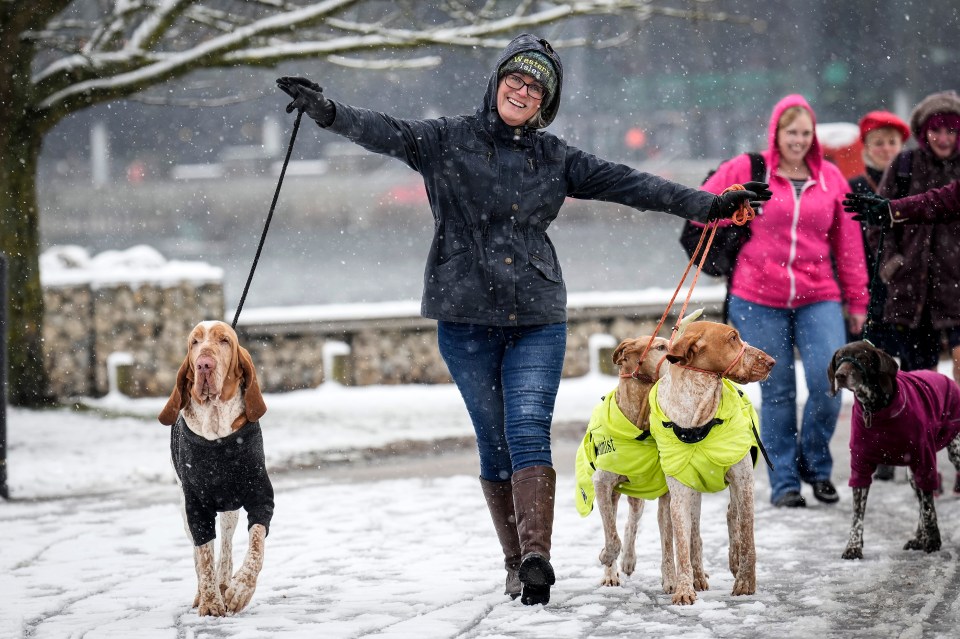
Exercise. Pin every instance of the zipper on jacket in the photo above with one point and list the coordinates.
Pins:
(792, 295)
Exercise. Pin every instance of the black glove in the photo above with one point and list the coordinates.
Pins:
(308, 97)
(726, 205)
(873, 210)
(762, 189)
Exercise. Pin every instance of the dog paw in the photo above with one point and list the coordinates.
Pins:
(211, 607)
(853, 552)
(684, 597)
(628, 564)
(238, 596)
(610, 576)
(700, 582)
(744, 586)
(926, 545)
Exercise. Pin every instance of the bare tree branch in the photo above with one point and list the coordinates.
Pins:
(146, 49)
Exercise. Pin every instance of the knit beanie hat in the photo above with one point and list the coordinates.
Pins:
(883, 119)
(537, 66)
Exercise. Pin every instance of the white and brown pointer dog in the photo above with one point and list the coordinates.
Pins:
(899, 419)
(618, 456)
(217, 451)
(693, 408)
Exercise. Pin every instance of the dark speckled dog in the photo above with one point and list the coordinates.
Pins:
(899, 419)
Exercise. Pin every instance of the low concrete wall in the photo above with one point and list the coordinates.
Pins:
(146, 321)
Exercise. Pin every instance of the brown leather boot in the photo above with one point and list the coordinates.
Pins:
(534, 490)
(499, 496)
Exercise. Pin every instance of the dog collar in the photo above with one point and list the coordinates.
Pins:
(694, 434)
(739, 356)
(646, 379)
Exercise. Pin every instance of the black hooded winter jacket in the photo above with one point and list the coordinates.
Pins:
(494, 189)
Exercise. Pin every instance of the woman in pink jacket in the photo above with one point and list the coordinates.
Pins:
(799, 275)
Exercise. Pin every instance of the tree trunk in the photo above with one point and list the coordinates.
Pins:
(20, 242)
(21, 135)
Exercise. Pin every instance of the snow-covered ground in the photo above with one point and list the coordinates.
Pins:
(397, 542)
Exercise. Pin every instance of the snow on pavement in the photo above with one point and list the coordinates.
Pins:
(92, 544)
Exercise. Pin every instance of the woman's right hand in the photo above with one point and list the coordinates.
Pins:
(308, 97)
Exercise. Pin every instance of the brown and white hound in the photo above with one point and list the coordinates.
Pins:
(689, 397)
(623, 460)
(217, 451)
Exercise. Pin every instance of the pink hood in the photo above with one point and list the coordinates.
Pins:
(802, 250)
(814, 155)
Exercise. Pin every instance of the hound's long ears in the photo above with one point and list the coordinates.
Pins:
(254, 406)
(180, 395)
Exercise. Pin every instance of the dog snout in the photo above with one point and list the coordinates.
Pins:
(206, 364)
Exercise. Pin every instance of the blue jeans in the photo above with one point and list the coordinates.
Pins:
(508, 378)
(816, 330)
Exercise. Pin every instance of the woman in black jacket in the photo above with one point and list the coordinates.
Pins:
(495, 181)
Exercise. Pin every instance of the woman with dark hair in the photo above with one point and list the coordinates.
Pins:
(920, 264)
(495, 181)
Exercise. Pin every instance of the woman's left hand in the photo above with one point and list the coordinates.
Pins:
(855, 322)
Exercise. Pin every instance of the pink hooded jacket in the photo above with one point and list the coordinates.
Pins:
(797, 242)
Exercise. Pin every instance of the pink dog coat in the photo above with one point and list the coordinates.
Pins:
(923, 418)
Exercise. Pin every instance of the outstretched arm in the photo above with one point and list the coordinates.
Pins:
(593, 178)
(929, 207)
(406, 140)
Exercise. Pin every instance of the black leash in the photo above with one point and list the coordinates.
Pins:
(872, 288)
(266, 226)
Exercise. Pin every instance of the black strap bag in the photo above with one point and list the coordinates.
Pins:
(729, 239)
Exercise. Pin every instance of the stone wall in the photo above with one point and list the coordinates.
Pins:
(401, 348)
(85, 324)
(146, 320)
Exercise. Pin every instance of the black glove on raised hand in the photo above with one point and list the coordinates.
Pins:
(308, 97)
(872, 210)
(726, 204)
(762, 189)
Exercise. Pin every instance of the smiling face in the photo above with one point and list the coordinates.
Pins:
(794, 136)
(882, 145)
(515, 106)
(942, 141)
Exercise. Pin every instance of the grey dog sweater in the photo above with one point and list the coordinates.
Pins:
(221, 475)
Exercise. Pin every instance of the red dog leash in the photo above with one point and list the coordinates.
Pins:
(740, 217)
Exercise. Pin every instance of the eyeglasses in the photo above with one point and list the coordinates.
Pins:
(534, 90)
